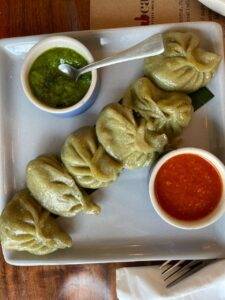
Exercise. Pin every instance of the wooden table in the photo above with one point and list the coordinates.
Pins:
(79, 282)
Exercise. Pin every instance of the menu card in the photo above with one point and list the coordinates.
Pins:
(123, 13)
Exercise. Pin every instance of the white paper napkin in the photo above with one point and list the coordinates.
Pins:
(145, 283)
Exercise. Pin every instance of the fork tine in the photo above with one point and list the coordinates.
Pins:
(167, 262)
(185, 266)
(166, 265)
(186, 274)
(171, 267)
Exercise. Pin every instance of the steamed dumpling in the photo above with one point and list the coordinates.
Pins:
(183, 66)
(26, 226)
(168, 112)
(126, 139)
(87, 161)
(52, 186)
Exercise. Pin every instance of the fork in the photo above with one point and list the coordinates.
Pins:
(174, 271)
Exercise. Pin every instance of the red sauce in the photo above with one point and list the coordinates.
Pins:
(188, 187)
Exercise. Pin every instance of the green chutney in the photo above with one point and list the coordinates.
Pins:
(54, 88)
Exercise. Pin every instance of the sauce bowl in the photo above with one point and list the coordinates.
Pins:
(183, 223)
(40, 48)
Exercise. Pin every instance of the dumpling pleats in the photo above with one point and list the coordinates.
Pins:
(26, 226)
(127, 139)
(55, 189)
(183, 66)
(165, 112)
(87, 161)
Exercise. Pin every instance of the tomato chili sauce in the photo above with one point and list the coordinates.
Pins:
(188, 187)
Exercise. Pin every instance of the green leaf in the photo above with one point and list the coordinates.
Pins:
(90, 191)
(200, 97)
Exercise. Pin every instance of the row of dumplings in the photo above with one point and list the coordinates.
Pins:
(128, 135)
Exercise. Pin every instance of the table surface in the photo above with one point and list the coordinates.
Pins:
(80, 282)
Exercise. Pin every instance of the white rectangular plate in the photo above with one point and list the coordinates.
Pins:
(128, 229)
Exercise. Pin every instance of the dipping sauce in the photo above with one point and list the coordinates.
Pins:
(52, 87)
(188, 187)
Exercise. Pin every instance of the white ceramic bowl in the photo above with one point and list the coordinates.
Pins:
(37, 50)
(216, 5)
(200, 223)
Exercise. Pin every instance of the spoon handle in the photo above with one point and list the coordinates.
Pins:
(149, 47)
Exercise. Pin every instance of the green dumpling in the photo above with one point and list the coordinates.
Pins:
(183, 67)
(127, 139)
(165, 112)
(87, 161)
(54, 188)
(26, 226)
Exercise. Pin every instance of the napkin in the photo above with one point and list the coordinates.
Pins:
(145, 283)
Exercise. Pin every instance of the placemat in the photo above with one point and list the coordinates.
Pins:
(123, 13)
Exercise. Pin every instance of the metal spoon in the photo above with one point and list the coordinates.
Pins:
(149, 47)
